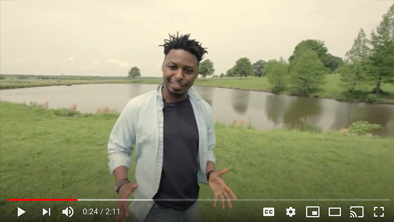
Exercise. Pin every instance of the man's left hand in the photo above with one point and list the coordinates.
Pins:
(220, 189)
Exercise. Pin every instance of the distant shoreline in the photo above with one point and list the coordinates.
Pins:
(214, 83)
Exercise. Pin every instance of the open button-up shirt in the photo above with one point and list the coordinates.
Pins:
(140, 124)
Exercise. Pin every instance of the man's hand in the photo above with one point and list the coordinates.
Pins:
(124, 192)
(220, 189)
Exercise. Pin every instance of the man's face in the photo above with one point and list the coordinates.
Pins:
(180, 69)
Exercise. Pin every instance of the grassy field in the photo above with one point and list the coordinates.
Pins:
(331, 89)
(45, 155)
(29, 83)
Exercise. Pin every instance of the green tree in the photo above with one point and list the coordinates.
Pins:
(330, 62)
(206, 68)
(380, 66)
(268, 66)
(134, 72)
(308, 74)
(258, 68)
(230, 72)
(277, 74)
(243, 67)
(315, 45)
(221, 75)
(353, 71)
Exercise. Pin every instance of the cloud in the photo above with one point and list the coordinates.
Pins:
(123, 64)
(256, 29)
(113, 61)
(89, 67)
(120, 63)
(71, 59)
(94, 61)
(44, 62)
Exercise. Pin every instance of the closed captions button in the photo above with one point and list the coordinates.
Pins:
(268, 211)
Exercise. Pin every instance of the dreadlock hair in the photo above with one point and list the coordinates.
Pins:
(183, 42)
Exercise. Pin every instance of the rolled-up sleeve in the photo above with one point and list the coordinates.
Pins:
(211, 137)
(122, 140)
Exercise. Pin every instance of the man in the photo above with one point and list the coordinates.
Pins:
(173, 130)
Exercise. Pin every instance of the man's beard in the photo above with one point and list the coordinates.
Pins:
(176, 94)
(172, 92)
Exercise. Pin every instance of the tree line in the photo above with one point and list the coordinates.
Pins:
(366, 67)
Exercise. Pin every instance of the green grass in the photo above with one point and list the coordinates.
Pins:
(30, 83)
(44, 155)
(331, 89)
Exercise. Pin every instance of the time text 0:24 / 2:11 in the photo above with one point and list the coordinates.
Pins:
(100, 211)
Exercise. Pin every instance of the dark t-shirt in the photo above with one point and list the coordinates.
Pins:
(180, 167)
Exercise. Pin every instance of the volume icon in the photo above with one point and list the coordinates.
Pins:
(69, 211)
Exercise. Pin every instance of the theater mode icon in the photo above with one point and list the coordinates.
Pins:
(334, 211)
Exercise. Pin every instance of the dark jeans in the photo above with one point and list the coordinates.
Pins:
(159, 214)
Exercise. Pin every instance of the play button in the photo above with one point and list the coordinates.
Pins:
(20, 212)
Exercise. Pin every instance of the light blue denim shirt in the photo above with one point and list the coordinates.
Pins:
(141, 124)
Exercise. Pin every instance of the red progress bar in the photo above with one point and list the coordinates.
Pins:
(42, 199)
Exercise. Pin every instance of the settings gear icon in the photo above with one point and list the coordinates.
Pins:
(290, 211)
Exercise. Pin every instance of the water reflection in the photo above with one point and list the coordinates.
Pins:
(275, 106)
(300, 110)
(348, 113)
(135, 90)
(264, 110)
(206, 93)
(240, 101)
(375, 116)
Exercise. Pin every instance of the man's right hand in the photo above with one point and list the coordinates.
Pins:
(123, 206)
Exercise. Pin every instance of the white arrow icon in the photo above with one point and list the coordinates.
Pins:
(45, 211)
(20, 211)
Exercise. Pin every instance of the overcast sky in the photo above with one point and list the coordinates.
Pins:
(108, 37)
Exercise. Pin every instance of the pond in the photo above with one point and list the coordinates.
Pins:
(262, 110)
